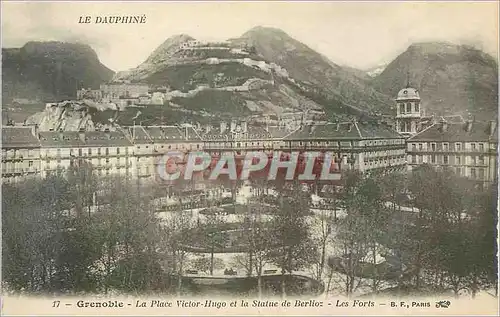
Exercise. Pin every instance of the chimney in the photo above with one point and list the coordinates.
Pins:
(468, 126)
(233, 125)
(223, 127)
(34, 130)
(81, 134)
(186, 131)
(444, 125)
(349, 127)
(492, 127)
(244, 127)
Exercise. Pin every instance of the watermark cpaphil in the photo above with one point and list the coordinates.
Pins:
(304, 166)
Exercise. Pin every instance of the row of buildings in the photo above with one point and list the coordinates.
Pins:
(125, 94)
(469, 148)
(135, 150)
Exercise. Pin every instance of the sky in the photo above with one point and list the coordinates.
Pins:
(356, 34)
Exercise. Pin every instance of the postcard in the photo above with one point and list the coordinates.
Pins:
(249, 158)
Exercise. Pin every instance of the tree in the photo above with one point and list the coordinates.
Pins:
(257, 239)
(132, 239)
(83, 185)
(360, 233)
(292, 249)
(217, 238)
(176, 231)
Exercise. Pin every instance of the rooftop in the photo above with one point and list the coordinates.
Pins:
(408, 94)
(344, 130)
(478, 131)
(18, 137)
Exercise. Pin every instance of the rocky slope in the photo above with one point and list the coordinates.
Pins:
(452, 79)
(49, 71)
(292, 76)
(341, 85)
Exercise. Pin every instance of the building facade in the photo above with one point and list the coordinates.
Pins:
(469, 149)
(408, 111)
(20, 153)
(360, 146)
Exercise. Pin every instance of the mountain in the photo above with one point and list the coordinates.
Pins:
(375, 71)
(48, 71)
(263, 71)
(452, 79)
(342, 85)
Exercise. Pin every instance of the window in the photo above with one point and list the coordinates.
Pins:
(401, 108)
(481, 160)
(481, 147)
(107, 151)
(30, 164)
(458, 146)
(417, 107)
(410, 159)
(117, 150)
(408, 107)
(481, 173)
(413, 147)
(420, 146)
(445, 147)
(473, 146)
(90, 151)
(107, 160)
(458, 160)
(459, 171)
(99, 151)
(473, 172)
(433, 147)
(445, 159)
(433, 158)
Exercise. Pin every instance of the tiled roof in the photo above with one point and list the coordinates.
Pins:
(162, 134)
(344, 130)
(60, 139)
(480, 131)
(376, 131)
(139, 135)
(111, 138)
(86, 139)
(253, 132)
(326, 131)
(18, 137)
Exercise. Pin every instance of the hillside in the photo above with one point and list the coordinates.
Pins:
(299, 80)
(452, 79)
(50, 71)
(342, 85)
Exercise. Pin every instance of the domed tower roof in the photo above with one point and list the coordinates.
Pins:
(408, 93)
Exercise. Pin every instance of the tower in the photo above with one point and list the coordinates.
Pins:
(408, 111)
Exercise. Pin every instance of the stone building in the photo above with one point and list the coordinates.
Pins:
(469, 149)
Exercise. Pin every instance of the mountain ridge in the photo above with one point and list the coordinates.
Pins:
(50, 70)
(284, 73)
